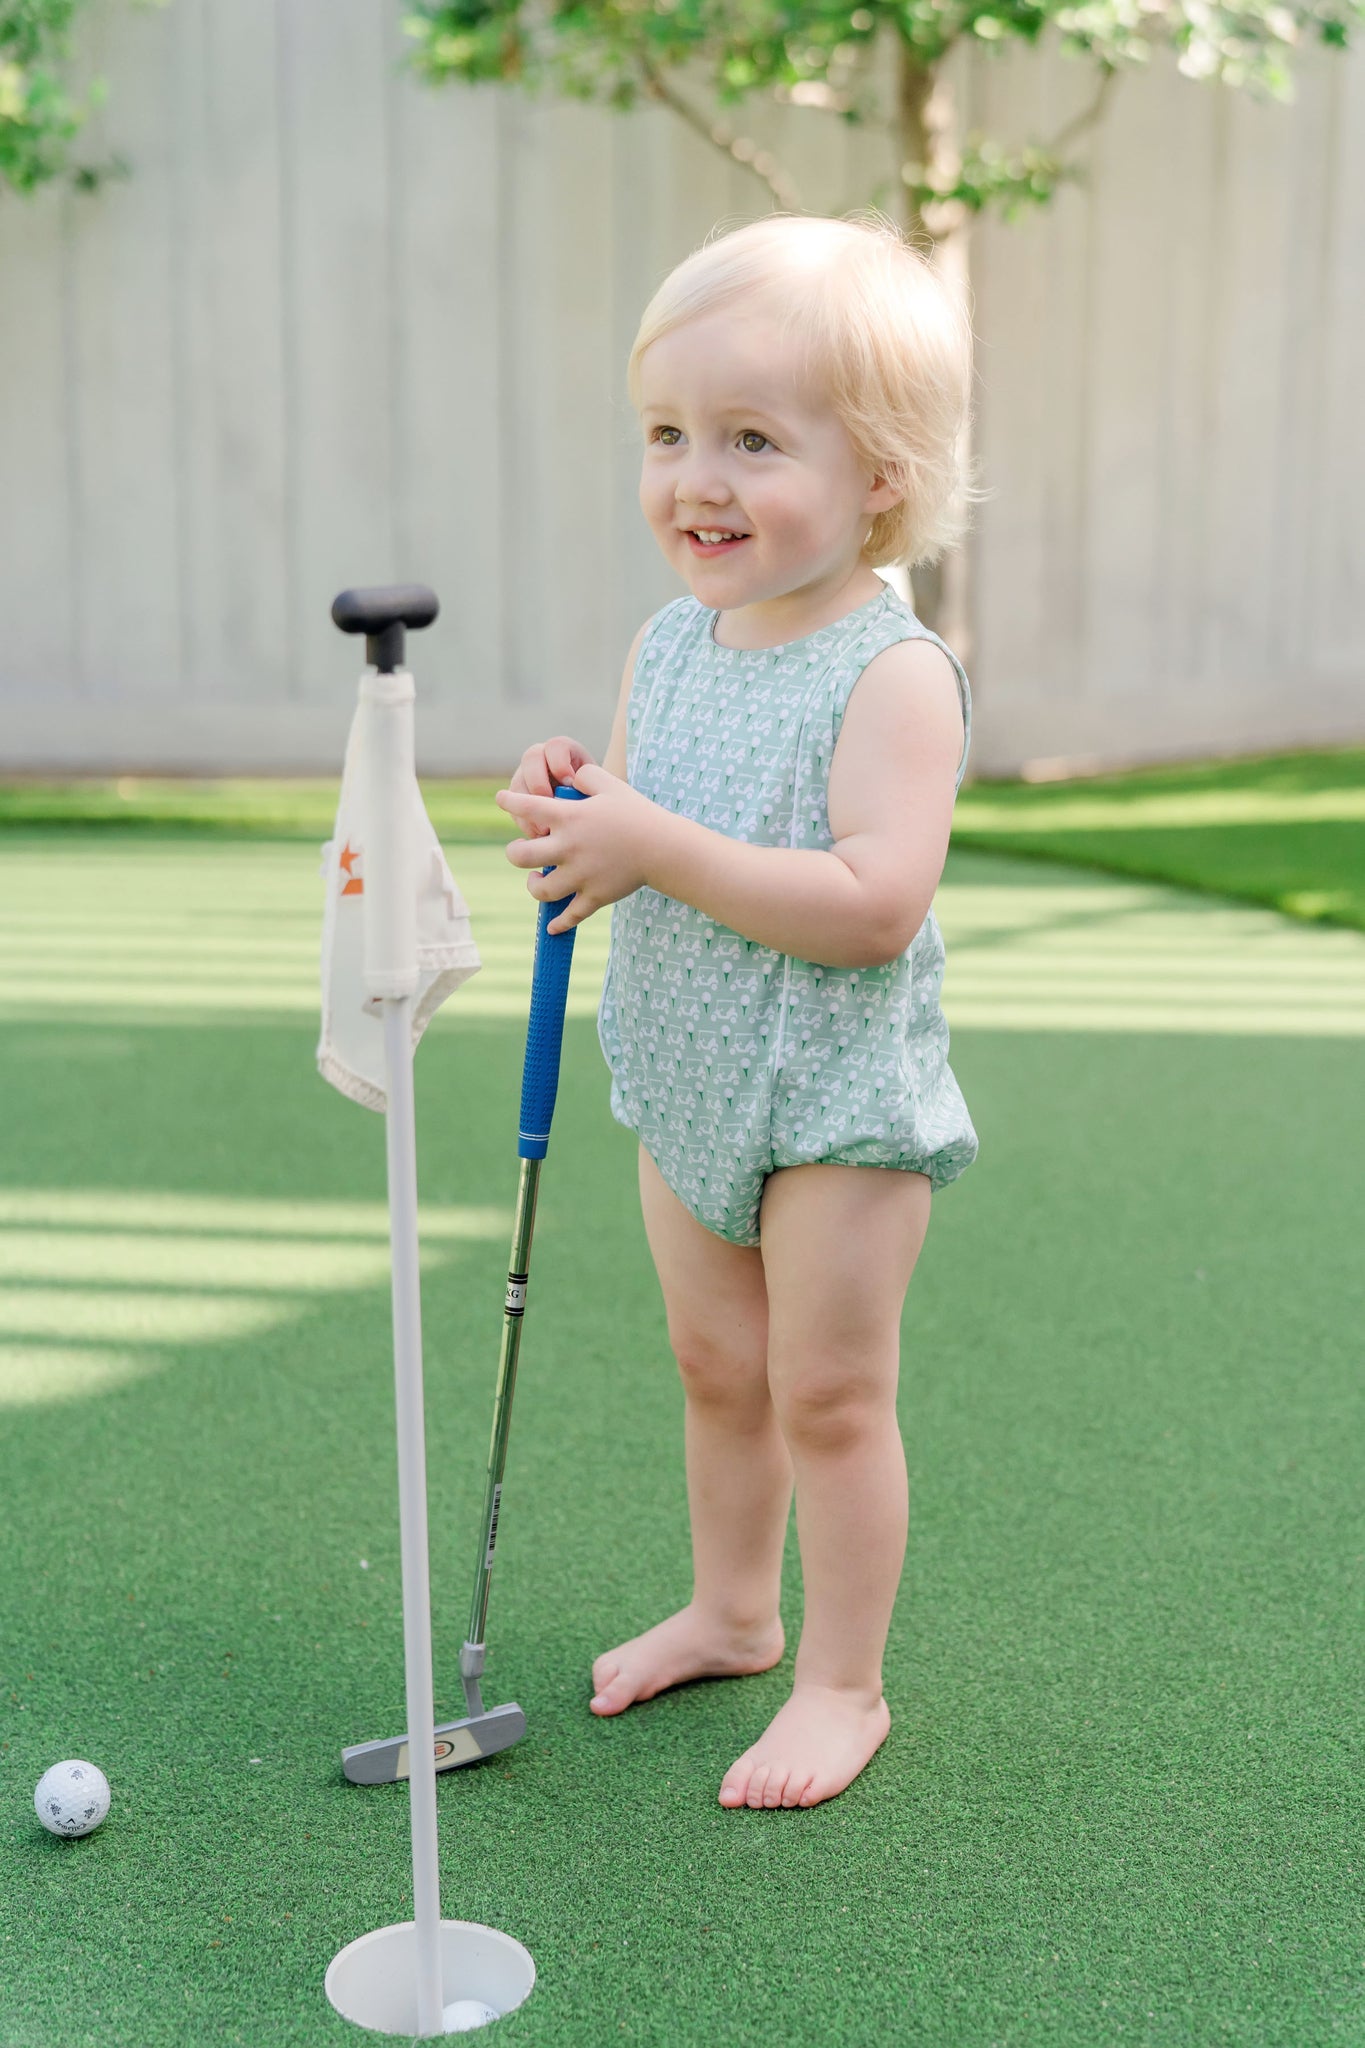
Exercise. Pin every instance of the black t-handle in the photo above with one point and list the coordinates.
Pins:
(381, 615)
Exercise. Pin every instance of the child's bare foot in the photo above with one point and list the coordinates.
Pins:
(687, 1645)
(811, 1749)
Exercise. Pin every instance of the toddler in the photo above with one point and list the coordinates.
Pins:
(770, 822)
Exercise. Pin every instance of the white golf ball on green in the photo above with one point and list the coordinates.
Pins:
(72, 1798)
(462, 2015)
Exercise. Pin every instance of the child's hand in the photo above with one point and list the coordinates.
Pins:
(543, 766)
(599, 850)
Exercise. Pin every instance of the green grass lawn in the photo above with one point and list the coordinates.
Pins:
(278, 807)
(1286, 829)
(1121, 1801)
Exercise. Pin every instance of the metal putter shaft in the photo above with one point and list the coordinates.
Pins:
(484, 1731)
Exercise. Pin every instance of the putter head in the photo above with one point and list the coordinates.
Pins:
(457, 1742)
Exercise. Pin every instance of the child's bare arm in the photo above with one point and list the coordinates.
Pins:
(614, 760)
(891, 788)
(893, 780)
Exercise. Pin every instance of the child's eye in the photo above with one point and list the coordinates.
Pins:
(749, 434)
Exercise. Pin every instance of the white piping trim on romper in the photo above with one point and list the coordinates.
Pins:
(609, 970)
(780, 1047)
(658, 673)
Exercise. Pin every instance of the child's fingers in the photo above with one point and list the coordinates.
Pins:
(563, 756)
(534, 773)
(541, 768)
(571, 915)
(532, 813)
(559, 761)
(530, 853)
(535, 777)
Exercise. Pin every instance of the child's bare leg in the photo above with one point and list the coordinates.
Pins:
(839, 1246)
(739, 1472)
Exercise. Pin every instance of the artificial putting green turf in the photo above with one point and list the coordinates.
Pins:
(1121, 1797)
(1286, 830)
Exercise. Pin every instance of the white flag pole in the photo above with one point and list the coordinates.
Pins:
(406, 955)
(390, 897)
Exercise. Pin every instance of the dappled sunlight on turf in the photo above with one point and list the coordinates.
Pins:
(144, 933)
(228, 1215)
(127, 1316)
(32, 1376)
(189, 934)
(162, 1270)
(1114, 811)
(1083, 955)
(145, 1259)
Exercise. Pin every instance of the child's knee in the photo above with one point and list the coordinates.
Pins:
(832, 1395)
(720, 1366)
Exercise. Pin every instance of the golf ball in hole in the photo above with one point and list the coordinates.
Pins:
(72, 1798)
(462, 2015)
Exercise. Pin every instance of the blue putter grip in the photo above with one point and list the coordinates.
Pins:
(545, 1030)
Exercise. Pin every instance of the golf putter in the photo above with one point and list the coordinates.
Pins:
(484, 1731)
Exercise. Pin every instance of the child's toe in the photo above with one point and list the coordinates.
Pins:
(613, 1693)
(798, 1784)
(758, 1779)
(776, 1785)
(604, 1669)
(734, 1785)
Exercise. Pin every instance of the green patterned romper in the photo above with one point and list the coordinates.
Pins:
(727, 1058)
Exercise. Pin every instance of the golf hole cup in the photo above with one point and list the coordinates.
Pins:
(373, 1982)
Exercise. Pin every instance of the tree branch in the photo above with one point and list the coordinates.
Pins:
(1087, 118)
(741, 149)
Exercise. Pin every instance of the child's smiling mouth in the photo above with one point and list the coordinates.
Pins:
(701, 547)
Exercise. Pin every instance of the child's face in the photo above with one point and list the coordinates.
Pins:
(735, 443)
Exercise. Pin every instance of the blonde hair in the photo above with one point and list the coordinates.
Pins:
(881, 334)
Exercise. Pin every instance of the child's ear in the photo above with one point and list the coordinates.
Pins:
(886, 494)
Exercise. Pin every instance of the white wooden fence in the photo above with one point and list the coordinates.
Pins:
(342, 328)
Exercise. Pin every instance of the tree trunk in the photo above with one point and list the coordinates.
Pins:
(941, 590)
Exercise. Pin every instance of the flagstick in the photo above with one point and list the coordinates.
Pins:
(394, 1979)
(412, 1507)
(391, 975)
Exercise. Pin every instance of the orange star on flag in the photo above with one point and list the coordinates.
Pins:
(353, 885)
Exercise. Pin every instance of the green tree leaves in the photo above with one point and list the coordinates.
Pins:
(816, 53)
(39, 116)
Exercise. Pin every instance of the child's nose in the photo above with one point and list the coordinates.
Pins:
(703, 484)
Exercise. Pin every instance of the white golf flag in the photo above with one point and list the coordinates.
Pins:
(351, 1048)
